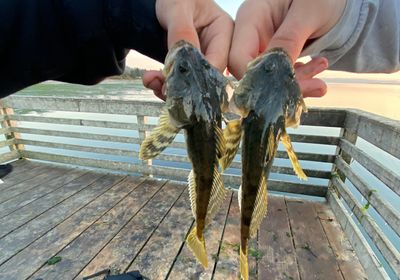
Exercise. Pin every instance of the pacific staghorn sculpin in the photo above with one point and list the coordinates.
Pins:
(196, 97)
(269, 100)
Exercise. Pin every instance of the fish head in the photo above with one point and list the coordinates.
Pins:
(194, 88)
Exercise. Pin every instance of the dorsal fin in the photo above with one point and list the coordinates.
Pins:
(232, 135)
(160, 138)
(292, 156)
(260, 207)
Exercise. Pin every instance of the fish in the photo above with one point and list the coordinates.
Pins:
(269, 100)
(196, 97)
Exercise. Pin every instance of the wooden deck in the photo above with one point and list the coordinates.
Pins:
(95, 221)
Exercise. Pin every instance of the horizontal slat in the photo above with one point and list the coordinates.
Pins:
(82, 135)
(308, 156)
(367, 257)
(78, 122)
(388, 177)
(238, 165)
(6, 143)
(9, 156)
(387, 211)
(99, 150)
(380, 131)
(389, 252)
(324, 117)
(87, 105)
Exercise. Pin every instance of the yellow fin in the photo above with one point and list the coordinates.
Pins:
(217, 197)
(244, 265)
(232, 135)
(160, 138)
(198, 247)
(260, 207)
(192, 192)
(220, 141)
(292, 156)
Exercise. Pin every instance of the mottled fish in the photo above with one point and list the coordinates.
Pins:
(195, 99)
(269, 100)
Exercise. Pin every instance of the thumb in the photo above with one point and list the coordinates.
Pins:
(294, 31)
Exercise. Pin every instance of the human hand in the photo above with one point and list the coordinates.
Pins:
(289, 24)
(200, 22)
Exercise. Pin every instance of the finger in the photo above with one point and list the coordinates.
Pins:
(177, 18)
(216, 39)
(294, 30)
(310, 69)
(313, 88)
(252, 32)
(155, 81)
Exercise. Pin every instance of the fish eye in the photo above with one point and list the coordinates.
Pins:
(292, 75)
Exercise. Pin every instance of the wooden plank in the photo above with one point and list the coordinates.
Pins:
(41, 190)
(13, 155)
(88, 105)
(390, 253)
(157, 257)
(6, 143)
(31, 211)
(276, 245)
(384, 208)
(227, 266)
(388, 177)
(380, 131)
(80, 135)
(365, 254)
(22, 174)
(126, 245)
(50, 174)
(80, 251)
(308, 156)
(315, 258)
(77, 122)
(348, 262)
(186, 266)
(62, 234)
(90, 149)
(318, 116)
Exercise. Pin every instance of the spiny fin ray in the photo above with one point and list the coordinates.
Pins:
(232, 135)
(160, 138)
(260, 207)
(292, 156)
(220, 141)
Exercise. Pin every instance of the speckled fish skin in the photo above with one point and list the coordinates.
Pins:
(268, 97)
(196, 98)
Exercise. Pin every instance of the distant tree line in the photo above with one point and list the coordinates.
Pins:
(130, 74)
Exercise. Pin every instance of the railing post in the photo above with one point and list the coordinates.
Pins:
(9, 124)
(352, 138)
(142, 121)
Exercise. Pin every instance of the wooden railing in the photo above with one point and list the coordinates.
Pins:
(106, 134)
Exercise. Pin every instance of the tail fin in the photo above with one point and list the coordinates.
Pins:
(244, 264)
(292, 156)
(160, 138)
(198, 247)
(232, 135)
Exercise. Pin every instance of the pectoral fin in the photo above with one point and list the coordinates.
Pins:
(232, 135)
(160, 138)
(292, 156)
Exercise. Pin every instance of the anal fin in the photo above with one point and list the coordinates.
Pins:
(292, 156)
(232, 135)
(160, 138)
(260, 207)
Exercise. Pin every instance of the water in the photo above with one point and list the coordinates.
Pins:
(133, 90)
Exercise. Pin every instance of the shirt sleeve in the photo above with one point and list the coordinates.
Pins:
(366, 38)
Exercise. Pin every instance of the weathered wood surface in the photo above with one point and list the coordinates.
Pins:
(383, 244)
(388, 177)
(367, 257)
(383, 207)
(380, 131)
(136, 223)
(314, 255)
